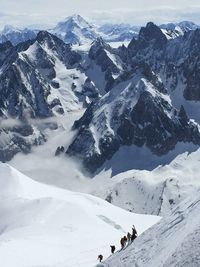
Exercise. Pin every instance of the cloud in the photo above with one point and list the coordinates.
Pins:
(9, 123)
(46, 14)
(142, 16)
(42, 164)
(22, 20)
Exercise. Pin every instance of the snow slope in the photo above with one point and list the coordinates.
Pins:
(45, 226)
(155, 191)
(174, 241)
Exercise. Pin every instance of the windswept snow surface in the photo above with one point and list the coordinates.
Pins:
(45, 226)
(173, 242)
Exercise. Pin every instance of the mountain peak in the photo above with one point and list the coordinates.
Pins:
(46, 36)
(43, 35)
(152, 32)
(77, 18)
(75, 30)
(99, 42)
(150, 25)
(98, 45)
(73, 21)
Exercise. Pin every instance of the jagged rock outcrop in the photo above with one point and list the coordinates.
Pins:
(109, 61)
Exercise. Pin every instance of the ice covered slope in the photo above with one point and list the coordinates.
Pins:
(174, 241)
(45, 226)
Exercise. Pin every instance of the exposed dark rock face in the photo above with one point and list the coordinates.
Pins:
(108, 59)
(98, 52)
(88, 92)
(151, 34)
(5, 51)
(191, 70)
(150, 45)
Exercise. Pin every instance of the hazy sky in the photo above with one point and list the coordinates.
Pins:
(48, 12)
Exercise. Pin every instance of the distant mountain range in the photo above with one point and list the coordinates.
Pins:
(76, 30)
(15, 35)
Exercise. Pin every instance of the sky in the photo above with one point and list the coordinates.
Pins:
(138, 12)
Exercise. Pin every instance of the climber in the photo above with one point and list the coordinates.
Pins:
(129, 237)
(112, 249)
(122, 242)
(134, 233)
(125, 240)
(100, 258)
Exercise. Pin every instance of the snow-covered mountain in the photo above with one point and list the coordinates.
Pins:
(173, 30)
(44, 77)
(16, 35)
(125, 32)
(39, 79)
(149, 103)
(172, 242)
(75, 30)
(118, 32)
(42, 225)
